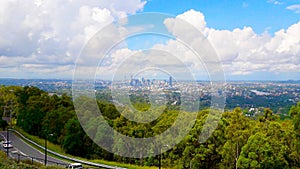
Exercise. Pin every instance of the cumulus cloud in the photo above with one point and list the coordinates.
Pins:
(195, 18)
(243, 52)
(52, 32)
(47, 36)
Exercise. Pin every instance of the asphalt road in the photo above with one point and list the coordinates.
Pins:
(21, 149)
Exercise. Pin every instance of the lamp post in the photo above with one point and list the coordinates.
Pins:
(159, 160)
(7, 130)
(7, 140)
(46, 148)
(7, 134)
(10, 102)
(160, 155)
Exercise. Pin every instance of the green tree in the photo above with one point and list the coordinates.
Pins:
(236, 134)
(267, 148)
(295, 114)
(3, 124)
(73, 142)
(254, 152)
(54, 122)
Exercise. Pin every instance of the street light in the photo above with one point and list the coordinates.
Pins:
(7, 134)
(46, 148)
(9, 126)
(7, 129)
(160, 155)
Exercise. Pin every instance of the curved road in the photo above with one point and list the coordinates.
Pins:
(23, 149)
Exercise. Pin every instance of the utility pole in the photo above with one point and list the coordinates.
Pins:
(7, 140)
(10, 123)
(46, 150)
(159, 161)
(46, 147)
(160, 155)
(7, 135)
(7, 132)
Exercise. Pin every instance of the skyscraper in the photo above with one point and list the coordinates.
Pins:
(170, 81)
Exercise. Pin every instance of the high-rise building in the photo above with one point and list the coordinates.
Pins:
(170, 81)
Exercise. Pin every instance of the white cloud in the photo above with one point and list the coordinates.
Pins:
(53, 31)
(195, 18)
(243, 52)
(295, 8)
(47, 36)
(275, 2)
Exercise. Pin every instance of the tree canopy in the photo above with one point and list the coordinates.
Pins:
(237, 142)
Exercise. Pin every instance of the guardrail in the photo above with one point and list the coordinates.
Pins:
(20, 157)
(66, 157)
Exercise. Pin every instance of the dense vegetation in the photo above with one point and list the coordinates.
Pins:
(238, 142)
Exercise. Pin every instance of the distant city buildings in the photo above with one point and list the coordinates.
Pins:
(143, 82)
(251, 96)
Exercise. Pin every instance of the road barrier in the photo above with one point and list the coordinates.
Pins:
(66, 157)
(20, 157)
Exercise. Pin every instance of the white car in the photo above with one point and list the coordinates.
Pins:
(75, 166)
(7, 144)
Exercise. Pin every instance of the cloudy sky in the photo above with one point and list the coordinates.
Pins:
(254, 39)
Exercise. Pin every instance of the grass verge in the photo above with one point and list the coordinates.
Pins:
(7, 163)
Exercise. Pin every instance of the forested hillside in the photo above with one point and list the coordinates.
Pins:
(239, 141)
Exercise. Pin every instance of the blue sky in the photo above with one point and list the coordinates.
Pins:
(261, 15)
(255, 39)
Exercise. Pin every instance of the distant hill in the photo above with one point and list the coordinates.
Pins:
(49, 85)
